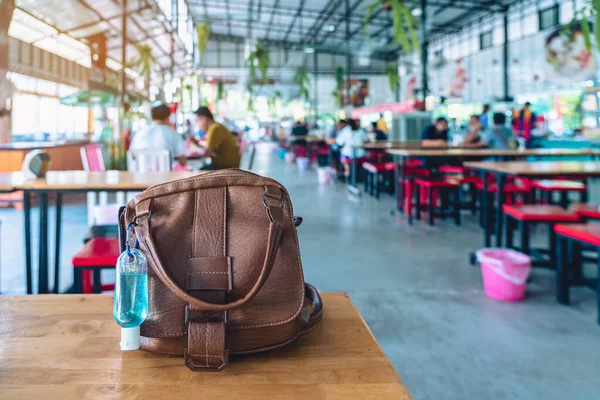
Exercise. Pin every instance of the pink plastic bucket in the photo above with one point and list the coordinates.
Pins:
(303, 163)
(504, 273)
(324, 174)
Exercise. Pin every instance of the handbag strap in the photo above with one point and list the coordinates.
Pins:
(275, 214)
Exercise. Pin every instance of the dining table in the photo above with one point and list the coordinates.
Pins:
(523, 169)
(459, 154)
(67, 347)
(57, 183)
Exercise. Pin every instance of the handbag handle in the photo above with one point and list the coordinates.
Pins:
(274, 237)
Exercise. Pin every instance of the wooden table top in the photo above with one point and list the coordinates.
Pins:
(539, 168)
(83, 180)
(10, 181)
(67, 347)
(384, 145)
(483, 152)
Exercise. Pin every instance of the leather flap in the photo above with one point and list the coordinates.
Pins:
(209, 273)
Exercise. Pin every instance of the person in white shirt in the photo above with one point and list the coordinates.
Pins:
(159, 135)
(349, 137)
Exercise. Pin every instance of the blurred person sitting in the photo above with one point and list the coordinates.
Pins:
(435, 135)
(160, 135)
(221, 144)
(474, 136)
(350, 139)
(299, 129)
(378, 133)
(500, 137)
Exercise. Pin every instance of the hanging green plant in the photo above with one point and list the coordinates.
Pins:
(404, 23)
(302, 79)
(272, 102)
(580, 24)
(393, 78)
(202, 33)
(261, 59)
(145, 60)
(338, 93)
(250, 105)
(220, 91)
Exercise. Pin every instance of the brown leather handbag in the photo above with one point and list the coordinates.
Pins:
(225, 275)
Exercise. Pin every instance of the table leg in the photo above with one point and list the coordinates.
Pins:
(562, 272)
(43, 245)
(401, 177)
(57, 243)
(485, 211)
(500, 196)
(27, 231)
(598, 289)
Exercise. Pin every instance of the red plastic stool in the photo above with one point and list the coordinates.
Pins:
(586, 210)
(442, 188)
(527, 215)
(569, 270)
(564, 187)
(96, 254)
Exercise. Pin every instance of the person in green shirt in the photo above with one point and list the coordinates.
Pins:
(221, 145)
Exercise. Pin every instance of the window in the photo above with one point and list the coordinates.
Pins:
(485, 40)
(549, 17)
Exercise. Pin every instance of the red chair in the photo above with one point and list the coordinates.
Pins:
(444, 189)
(530, 214)
(547, 188)
(411, 169)
(586, 211)
(464, 176)
(571, 273)
(374, 173)
(97, 254)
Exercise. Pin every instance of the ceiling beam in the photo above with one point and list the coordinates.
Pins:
(320, 22)
(342, 17)
(298, 13)
(271, 19)
(282, 10)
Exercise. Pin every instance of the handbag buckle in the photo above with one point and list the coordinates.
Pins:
(188, 312)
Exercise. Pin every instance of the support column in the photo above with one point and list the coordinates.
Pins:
(348, 57)
(123, 86)
(424, 49)
(6, 88)
(505, 55)
(316, 86)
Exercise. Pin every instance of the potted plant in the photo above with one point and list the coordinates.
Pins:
(261, 59)
(202, 33)
(404, 23)
(302, 79)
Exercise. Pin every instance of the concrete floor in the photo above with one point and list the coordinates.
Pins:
(418, 294)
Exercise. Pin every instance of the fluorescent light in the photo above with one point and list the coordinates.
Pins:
(309, 50)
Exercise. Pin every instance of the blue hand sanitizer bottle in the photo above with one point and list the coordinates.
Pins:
(131, 296)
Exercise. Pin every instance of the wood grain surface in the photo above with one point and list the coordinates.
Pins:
(465, 152)
(539, 168)
(67, 347)
(85, 181)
